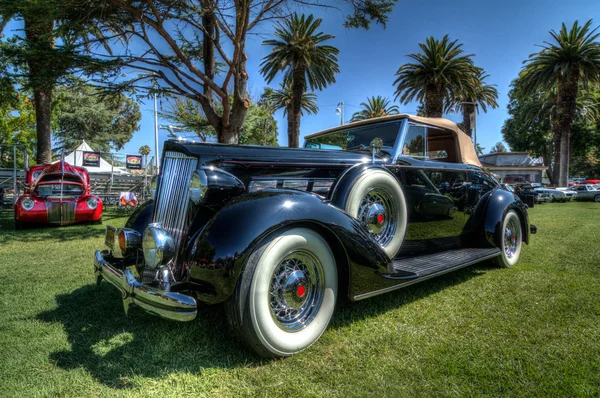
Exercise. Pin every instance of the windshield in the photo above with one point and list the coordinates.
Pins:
(71, 190)
(357, 137)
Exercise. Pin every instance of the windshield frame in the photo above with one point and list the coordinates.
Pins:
(392, 150)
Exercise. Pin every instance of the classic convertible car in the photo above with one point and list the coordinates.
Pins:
(57, 194)
(281, 234)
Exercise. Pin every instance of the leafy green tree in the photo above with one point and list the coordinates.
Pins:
(17, 127)
(572, 60)
(86, 113)
(260, 127)
(438, 74)
(375, 107)
(186, 113)
(498, 147)
(197, 48)
(42, 62)
(298, 52)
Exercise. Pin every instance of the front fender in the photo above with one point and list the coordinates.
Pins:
(486, 220)
(216, 255)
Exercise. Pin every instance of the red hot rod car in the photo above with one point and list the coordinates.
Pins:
(57, 194)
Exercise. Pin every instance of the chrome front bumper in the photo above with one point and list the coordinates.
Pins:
(169, 305)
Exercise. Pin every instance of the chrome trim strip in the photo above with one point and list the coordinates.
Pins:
(168, 305)
(424, 278)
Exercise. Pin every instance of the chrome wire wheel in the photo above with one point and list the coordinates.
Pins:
(512, 238)
(377, 210)
(296, 291)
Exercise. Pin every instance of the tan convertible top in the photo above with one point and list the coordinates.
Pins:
(465, 148)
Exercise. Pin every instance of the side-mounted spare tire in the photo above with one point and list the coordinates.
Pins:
(376, 199)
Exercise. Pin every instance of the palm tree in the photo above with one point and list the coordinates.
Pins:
(306, 62)
(283, 98)
(571, 61)
(375, 107)
(476, 95)
(145, 151)
(439, 73)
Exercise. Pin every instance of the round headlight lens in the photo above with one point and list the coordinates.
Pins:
(158, 246)
(27, 204)
(92, 203)
(198, 186)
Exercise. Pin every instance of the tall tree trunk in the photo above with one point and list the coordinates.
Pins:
(434, 102)
(567, 106)
(298, 89)
(466, 111)
(42, 80)
(556, 155)
(290, 125)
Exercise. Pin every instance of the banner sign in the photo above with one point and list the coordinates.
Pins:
(133, 162)
(91, 159)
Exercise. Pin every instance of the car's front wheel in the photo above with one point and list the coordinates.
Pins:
(510, 240)
(286, 295)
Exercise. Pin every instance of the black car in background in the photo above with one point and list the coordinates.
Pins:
(280, 234)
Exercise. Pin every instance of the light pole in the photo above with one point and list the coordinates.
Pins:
(340, 111)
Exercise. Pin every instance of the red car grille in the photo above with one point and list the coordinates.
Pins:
(61, 212)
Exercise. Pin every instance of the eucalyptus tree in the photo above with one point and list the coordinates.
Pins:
(299, 53)
(375, 107)
(197, 48)
(439, 73)
(567, 63)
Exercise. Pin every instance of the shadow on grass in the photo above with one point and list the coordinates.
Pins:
(115, 348)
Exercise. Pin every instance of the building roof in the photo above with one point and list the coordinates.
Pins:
(509, 159)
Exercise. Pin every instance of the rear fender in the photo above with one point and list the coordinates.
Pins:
(217, 254)
(486, 220)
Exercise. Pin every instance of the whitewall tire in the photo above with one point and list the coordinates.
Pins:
(286, 295)
(377, 200)
(510, 240)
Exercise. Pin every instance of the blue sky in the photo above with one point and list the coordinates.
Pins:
(501, 34)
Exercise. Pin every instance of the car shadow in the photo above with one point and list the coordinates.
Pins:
(112, 346)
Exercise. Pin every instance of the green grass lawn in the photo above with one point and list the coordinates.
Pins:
(532, 330)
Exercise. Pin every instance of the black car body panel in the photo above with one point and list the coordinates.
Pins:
(251, 193)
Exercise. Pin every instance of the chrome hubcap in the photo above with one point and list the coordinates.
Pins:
(377, 211)
(296, 291)
(512, 238)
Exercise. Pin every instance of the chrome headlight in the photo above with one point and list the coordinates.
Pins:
(198, 186)
(27, 204)
(92, 203)
(158, 246)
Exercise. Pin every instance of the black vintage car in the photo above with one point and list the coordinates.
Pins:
(281, 234)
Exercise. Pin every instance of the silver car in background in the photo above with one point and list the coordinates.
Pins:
(587, 192)
(555, 194)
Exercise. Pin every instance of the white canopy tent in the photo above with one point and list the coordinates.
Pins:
(75, 158)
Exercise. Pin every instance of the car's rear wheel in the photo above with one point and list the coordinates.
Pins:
(286, 295)
(510, 240)
(377, 200)
(597, 198)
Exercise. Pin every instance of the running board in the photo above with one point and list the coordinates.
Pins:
(410, 270)
(436, 263)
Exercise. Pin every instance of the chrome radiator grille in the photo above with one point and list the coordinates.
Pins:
(59, 213)
(172, 198)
